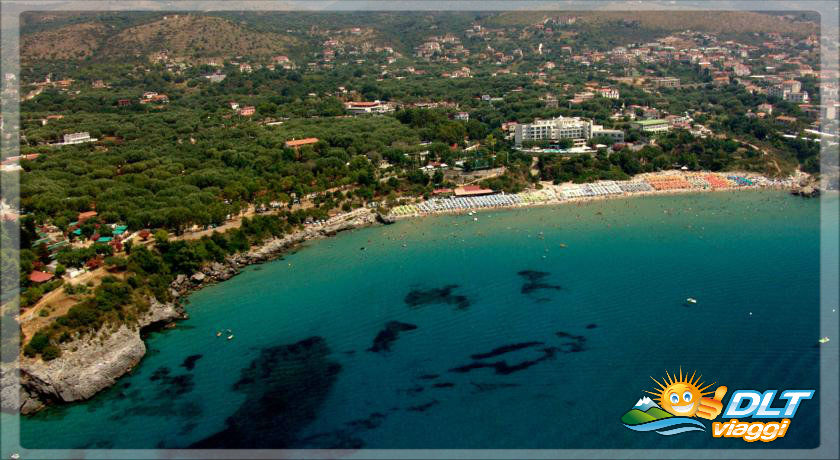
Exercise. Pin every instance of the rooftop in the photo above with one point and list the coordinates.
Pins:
(655, 121)
(299, 142)
(40, 277)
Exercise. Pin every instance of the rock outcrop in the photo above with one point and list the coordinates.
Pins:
(271, 249)
(89, 364)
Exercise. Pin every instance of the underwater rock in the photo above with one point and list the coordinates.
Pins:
(388, 335)
(189, 362)
(533, 281)
(504, 349)
(420, 297)
(284, 388)
(573, 343)
(424, 407)
(503, 368)
(482, 387)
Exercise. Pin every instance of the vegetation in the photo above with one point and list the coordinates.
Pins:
(195, 162)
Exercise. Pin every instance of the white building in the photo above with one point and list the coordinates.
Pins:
(77, 138)
(786, 92)
(609, 93)
(553, 130)
(615, 135)
(358, 108)
(652, 126)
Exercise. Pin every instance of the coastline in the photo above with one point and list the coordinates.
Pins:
(762, 183)
(94, 363)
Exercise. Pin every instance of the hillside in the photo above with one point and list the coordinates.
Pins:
(668, 21)
(197, 36)
(75, 41)
(181, 35)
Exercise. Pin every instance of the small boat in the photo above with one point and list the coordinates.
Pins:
(691, 300)
(824, 340)
(230, 337)
(218, 333)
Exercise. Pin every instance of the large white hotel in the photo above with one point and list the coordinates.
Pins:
(574, 128)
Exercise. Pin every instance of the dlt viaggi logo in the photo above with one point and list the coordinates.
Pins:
(680, 400)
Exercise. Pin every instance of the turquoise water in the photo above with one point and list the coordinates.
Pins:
(589, 298)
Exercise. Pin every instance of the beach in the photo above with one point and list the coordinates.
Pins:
(547, 193)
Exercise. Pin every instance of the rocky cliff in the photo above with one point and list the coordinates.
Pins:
(89, 364)
(93, 363)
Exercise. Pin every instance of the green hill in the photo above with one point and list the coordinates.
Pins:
(657, 413)
(637, 417)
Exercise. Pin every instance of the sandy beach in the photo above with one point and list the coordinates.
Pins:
(662, 183)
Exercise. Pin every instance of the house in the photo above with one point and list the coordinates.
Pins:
(233, 105)
(766, 108)
(609, 93)
(721, 80)
(652, 126)
(463, 116)
(377, 106)
(123, 102)
(40, 277)
(77, 138)
(246, 111)
(215, 78)
(665, 82)
(298, 143)
(152, 97)
(472, 190)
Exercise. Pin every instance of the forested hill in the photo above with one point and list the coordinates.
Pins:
(187, 36)
(115, 36)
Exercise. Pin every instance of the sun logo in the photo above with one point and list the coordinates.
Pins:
(686, 396)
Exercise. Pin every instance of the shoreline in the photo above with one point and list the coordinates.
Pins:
(92, 364)
(762, 183)
(96, 362)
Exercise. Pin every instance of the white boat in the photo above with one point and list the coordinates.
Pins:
(691, 300)
(824, 340)
(218, 333)
(230, 337)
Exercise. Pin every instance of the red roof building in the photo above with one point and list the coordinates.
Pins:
(83, 216)
(296, 143)
(40, 277)
(472, 190)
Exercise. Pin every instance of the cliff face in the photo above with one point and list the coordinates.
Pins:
(90, 364)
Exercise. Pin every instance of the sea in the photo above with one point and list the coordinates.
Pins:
(531, 328)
